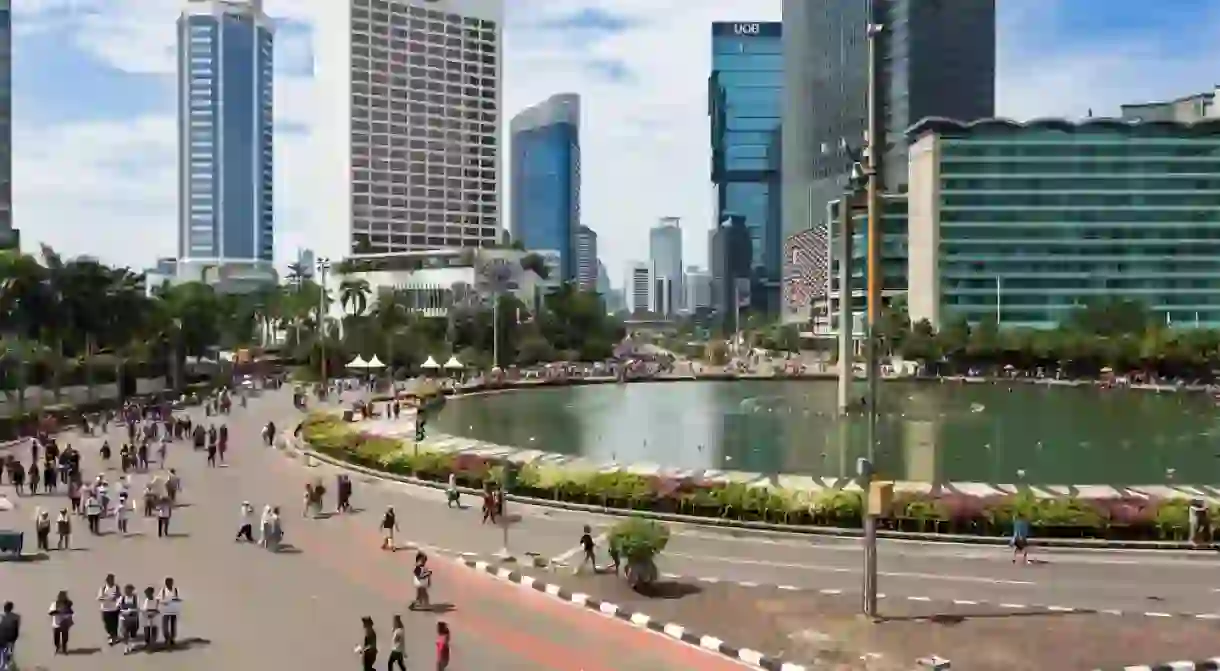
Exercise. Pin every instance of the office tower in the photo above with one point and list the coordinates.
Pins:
(1103, 220)
(731, 269)
(408, 124)
(1195, 107)
(545, 178)
(9, 236)
(698, 285)
(637, 287)
(225, 131)
(665, 254)
(305, 263)
(745, 93)
(603, 279)
(586, 262)
(938, 60)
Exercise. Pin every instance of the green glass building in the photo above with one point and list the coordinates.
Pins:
(893, 259)
(1027, 221)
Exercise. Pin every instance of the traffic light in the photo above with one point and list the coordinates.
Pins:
(421, 421)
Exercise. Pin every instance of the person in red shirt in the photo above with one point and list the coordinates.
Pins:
(442, 646)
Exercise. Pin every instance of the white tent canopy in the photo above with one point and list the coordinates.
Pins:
(375, 363)
(430, 364)
(358, 362)
(453, 364)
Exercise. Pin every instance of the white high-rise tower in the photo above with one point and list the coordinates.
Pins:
(408, 134)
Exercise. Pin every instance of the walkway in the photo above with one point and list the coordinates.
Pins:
(247, 608)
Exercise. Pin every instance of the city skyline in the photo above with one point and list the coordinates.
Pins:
(110, 135)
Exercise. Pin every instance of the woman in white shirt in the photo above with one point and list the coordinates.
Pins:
(150, 608)
(93, 513)
(61, 621)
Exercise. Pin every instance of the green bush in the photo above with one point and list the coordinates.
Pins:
(1132, 519)
(637, 539)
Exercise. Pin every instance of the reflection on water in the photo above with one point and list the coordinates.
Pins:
(994, 433)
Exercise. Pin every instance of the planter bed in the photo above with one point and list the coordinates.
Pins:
(1069, 518)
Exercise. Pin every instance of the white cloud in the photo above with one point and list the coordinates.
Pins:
(645, 139)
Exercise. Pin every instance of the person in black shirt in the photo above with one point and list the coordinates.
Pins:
(368, 647)
(10, 630)
(586, 543)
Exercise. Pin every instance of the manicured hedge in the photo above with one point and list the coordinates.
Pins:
(1067, 517)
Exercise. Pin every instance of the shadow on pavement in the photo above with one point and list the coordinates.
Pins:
(438, 608)
(668, 589)
(287, 549)
(958, 618)
(82, 652)
(176, 535)
(27, 557)
(185, 644)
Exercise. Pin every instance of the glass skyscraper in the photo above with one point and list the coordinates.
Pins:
(225, 131)
(745, 92)
(1026, 222)
(937, 57)
(545, 178)
(8, 235)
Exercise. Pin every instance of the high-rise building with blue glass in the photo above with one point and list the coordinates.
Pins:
(8, 235)
(545, 178)
(225, 131)
(745, 92)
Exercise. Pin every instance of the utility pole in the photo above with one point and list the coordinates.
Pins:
(876, 145)
(323, 265)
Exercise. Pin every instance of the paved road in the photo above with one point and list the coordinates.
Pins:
(247, 608)
(1179, 582)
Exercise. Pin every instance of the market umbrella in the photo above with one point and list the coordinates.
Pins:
(358, 362)
(453, 364)
(430, 364)
(374, 363)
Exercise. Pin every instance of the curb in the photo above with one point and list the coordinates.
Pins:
(1212, 664)
(839, 532)
(640, 620)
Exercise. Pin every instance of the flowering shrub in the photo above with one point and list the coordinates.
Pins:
(1128, 518)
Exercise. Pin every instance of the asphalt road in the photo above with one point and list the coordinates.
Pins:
(248, 608)
(1130, 581)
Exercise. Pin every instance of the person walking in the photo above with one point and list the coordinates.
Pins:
(74, 494)
(50, 481)
(389, 524)
(129, 618)
(1020, 540)
(171, 608)
(452, 494)
(443, 646)
(108, 597)
(421, 577)
(264, 536)
(151, 610)
(164, 512)
(368, 645)
(587, 545)
(93, 513)
(63, 529)
(10, 631)
(122, 512)
(245, 530)
(35, 476)
(62, 617)
(398, 646)
(42, 530)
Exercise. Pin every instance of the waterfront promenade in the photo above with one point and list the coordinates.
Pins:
(248, 608)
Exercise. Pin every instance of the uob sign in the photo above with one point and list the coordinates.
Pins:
(745, 29)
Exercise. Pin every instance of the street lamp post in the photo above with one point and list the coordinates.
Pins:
(323, 265)
(876, 145)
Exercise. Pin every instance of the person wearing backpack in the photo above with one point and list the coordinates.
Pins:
(129, 618)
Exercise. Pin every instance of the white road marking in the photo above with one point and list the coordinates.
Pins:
(567, 556)
(841, 569)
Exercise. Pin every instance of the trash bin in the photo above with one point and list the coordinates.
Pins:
(348, 416)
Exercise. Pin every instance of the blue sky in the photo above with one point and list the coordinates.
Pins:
(94, 105)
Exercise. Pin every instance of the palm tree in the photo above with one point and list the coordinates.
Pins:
(354, 295)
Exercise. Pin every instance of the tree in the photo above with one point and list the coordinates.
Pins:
(354, 295)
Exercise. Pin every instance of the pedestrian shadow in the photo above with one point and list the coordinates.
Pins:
(287, 549)
(183, 505)
(82, 652)
(324, 516)
(26, 557)
(176, 535)
(436, 608)
(185, 644)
